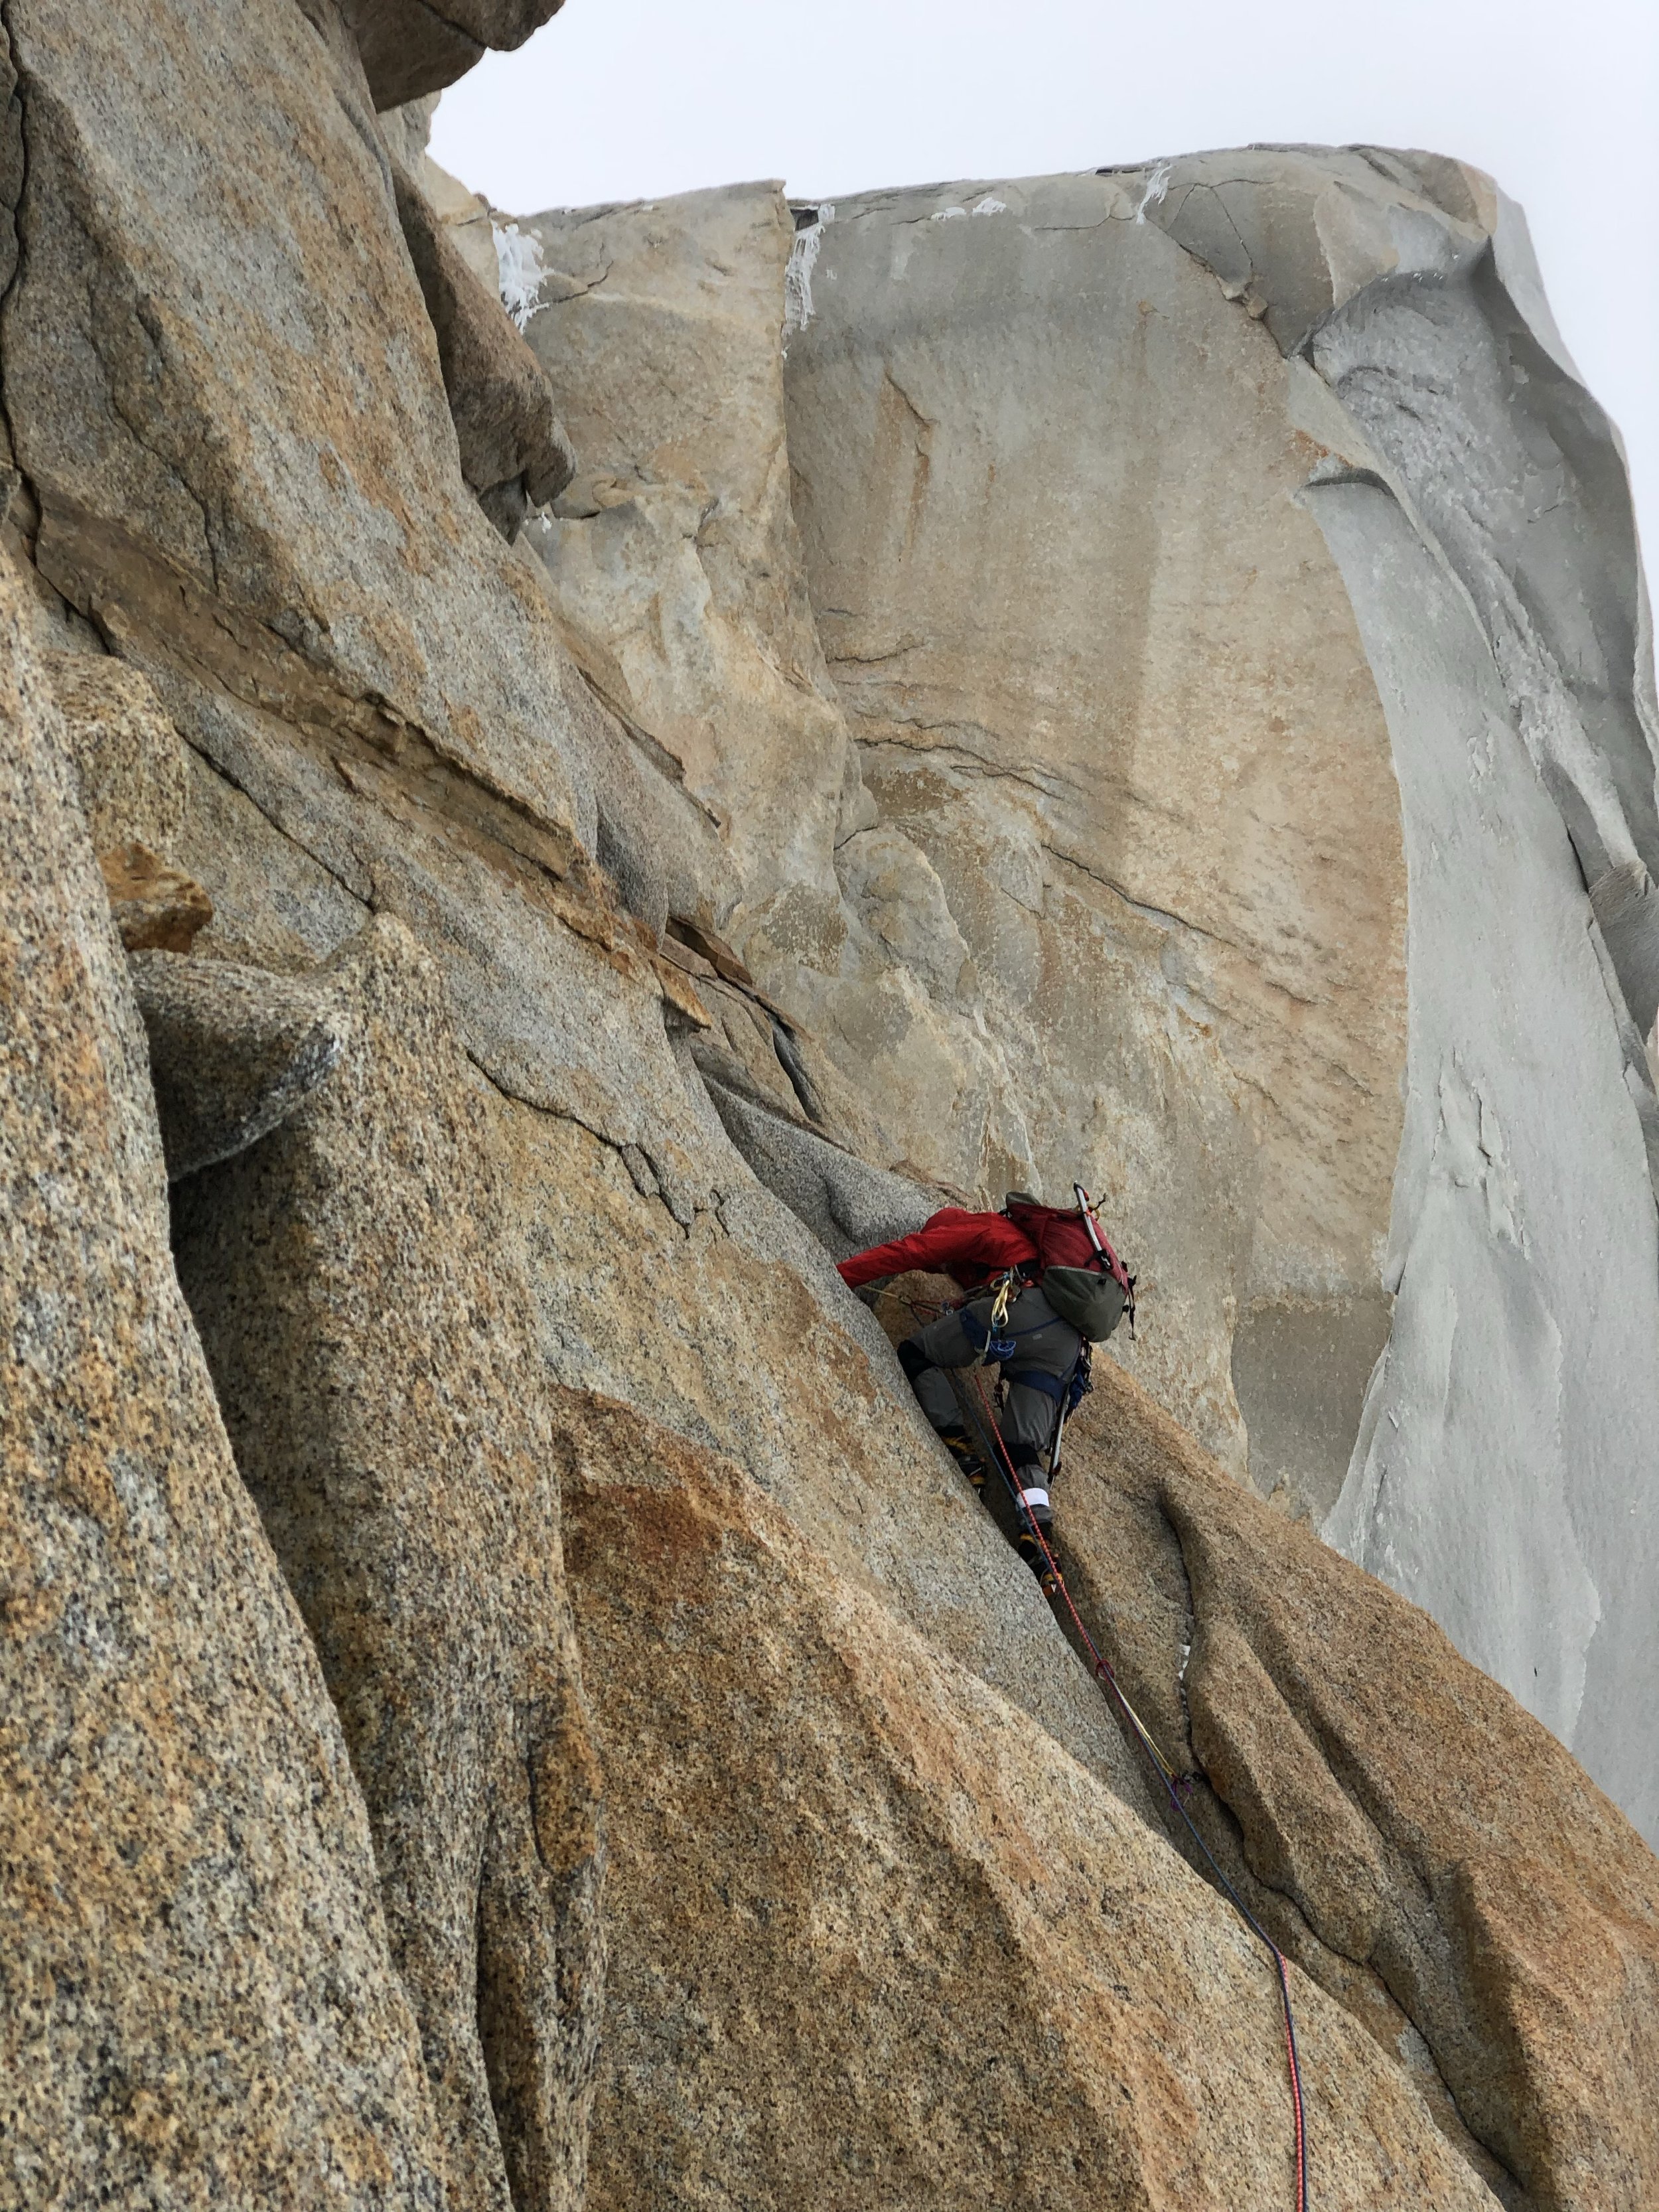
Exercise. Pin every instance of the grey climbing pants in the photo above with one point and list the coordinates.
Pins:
(1042, 1342)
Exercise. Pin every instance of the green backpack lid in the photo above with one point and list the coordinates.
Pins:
(1093, 1304)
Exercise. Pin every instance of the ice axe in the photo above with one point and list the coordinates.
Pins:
(1114, 1265)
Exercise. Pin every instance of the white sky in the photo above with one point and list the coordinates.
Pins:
(621, 100)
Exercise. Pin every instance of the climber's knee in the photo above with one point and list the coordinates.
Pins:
(913, 1360)
(937, 1399)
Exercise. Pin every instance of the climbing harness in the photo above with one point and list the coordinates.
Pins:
(1176, 1787)
(990, 1338)
(1067, 1391)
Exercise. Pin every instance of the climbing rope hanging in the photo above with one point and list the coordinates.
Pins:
(1053, 1580)
(1175, 1786)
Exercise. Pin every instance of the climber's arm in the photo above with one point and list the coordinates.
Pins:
(967, 1246)
(930, 1250)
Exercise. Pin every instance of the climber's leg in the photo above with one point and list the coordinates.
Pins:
(1027, 1425)
(939, 1402)
(1034, 1520)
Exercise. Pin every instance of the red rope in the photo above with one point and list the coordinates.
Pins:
(1172, 1787)
(1296, 2081)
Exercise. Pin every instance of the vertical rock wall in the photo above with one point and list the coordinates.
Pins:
(372, 1358)
(672, 558)
(1103, 671)
(499, 1173)
(197, 2005)
(1500, 1472)
(1503, 1471)
(675, 569)
(1050, 478)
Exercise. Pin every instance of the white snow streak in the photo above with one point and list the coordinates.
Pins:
(798, 277)
(519, 258)
(1157, 185)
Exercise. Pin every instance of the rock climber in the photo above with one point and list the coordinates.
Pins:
(1011, 1265)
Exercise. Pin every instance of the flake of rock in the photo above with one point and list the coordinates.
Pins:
(367, 1336)
(514, 452)
(685, 957)
(464, 214)
(847, 1204)
(413, 47)
(715, 950)
(232, 1051)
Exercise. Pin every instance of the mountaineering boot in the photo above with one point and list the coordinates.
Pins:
(1036, 1530)
(967, 1459)
(1045, 1565)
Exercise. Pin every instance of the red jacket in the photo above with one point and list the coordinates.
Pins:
(969, 1248)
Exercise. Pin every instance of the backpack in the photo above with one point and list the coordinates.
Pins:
(1082, 1279)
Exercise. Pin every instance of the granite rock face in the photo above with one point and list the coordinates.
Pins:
(131, 765)
(1409, 1833)
(672, 557)
(413, 47)
(197, 2005)
(371, 1355)
(1496, 580)
(917, 1957)
(675, 569)
(676, 1283)
(590, 961)
(198, 416)
(1104, 673)
(1166, 600)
